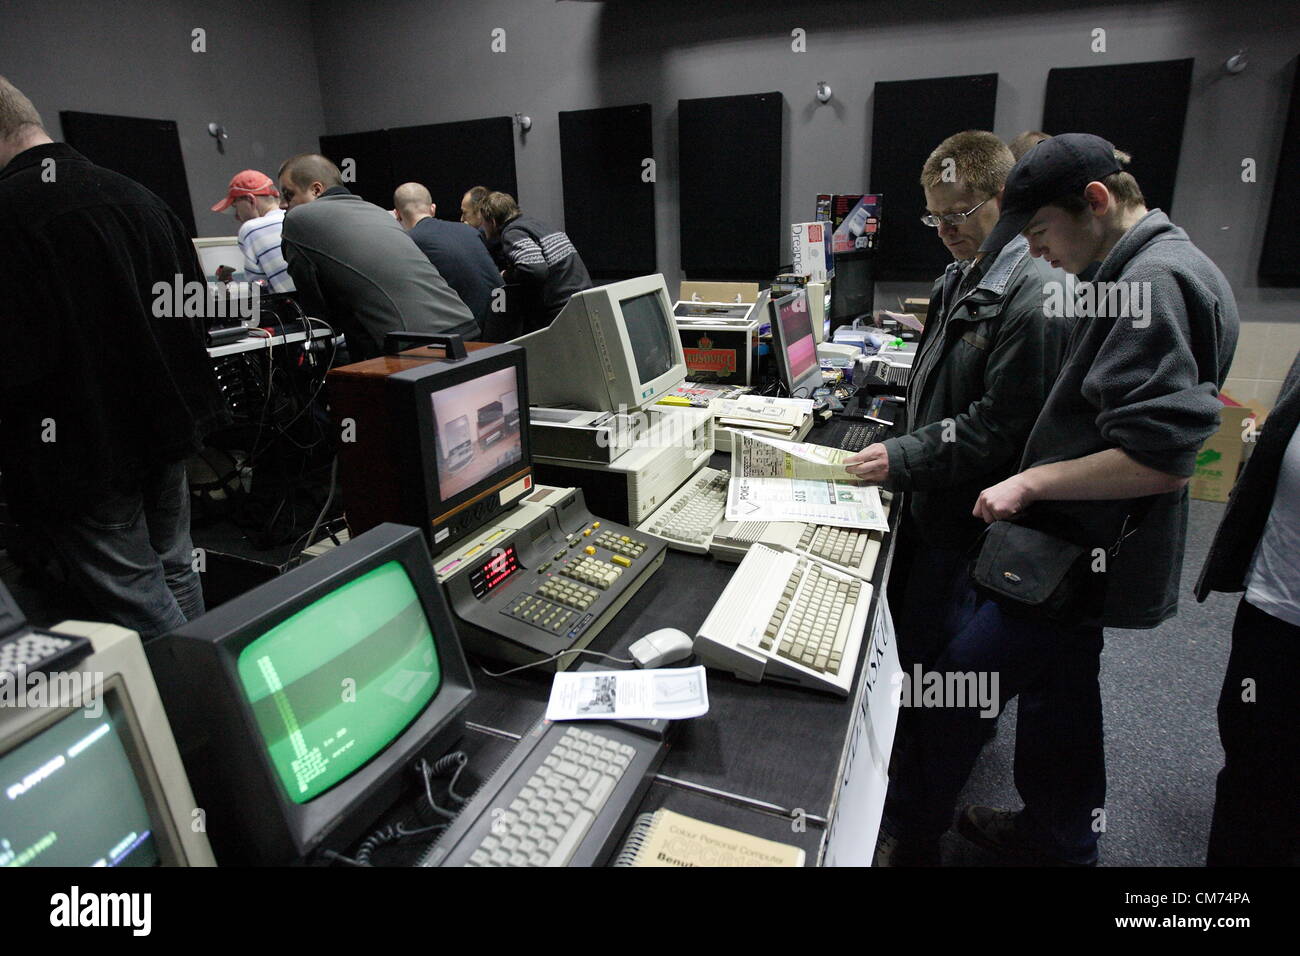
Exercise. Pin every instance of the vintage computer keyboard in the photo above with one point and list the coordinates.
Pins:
(858, 437)
(563, 797)
(687, 519)
(787, 617)
(849, 549)
(29, 652)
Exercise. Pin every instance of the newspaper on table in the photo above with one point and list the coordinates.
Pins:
(672, 693)
(775, 480)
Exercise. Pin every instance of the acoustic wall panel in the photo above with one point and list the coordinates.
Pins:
(730, 150)
(609, 202)
(146, 150)
(1279, 263)
(371, 162)
(909, 119)
(449, 158)
(1140, 107)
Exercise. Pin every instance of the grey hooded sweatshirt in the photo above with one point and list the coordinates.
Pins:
(1147, 382)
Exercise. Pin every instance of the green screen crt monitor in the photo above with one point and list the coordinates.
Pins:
(612, 348)
(89, 772)
(794, 345)
(299, 705)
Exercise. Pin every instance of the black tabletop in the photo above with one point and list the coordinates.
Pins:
(764, 759)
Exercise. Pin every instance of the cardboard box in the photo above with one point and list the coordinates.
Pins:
(1220, 458)
(719, 291)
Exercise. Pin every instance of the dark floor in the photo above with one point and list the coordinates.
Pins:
(1159, 689)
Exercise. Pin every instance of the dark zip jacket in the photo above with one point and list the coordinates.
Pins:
(1148, 385)
(986, 361)
(1252, 497)
(98, 380)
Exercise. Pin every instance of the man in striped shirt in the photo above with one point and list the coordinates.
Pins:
(256, 202)
(538, 256)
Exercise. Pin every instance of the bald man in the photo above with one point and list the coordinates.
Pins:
(455, 249)
(355, 267)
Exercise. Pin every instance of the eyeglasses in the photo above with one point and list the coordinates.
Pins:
(951, 218)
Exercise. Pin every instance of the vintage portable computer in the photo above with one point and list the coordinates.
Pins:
(441, 445)
(427, 437)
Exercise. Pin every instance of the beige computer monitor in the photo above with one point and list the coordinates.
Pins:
(112, 692)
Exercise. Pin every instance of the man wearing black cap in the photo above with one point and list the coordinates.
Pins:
(1109, 457)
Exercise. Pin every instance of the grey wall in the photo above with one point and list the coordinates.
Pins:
(413, 61)
(258, 77)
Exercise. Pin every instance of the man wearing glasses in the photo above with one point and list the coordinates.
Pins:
(986, 361)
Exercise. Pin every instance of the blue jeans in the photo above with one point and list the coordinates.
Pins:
(1060, 769)
(132, 555)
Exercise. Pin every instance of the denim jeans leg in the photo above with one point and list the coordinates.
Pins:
(946, 740)
(1060, 764)
(167, 511)
(108, 555)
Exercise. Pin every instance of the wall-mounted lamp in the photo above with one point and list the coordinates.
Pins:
(525, 123)
(218, 132)
(823, 92)
(1235, 63)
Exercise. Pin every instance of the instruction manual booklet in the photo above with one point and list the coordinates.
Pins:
(665, 838)
(775, 480)
(673, 693)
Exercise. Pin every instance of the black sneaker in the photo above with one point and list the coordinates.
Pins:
(999, 831)
(892, 850)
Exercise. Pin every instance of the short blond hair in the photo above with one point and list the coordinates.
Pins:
(17, 114)
(978, 159)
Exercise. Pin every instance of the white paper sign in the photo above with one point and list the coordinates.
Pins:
(851, 836)
(673, 693)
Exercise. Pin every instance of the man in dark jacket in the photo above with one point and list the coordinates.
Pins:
(354, 265)
(986, 361)
(1109, 457)
(540, 258)
(455, 249)
(1257, 802)
(105, 387)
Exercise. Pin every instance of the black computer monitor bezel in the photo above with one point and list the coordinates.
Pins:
(412, 390)
(779, 346)
(250, 817)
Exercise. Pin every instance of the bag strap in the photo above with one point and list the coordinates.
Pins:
(1136, 515)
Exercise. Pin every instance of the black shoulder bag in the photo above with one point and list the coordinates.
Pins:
(1033, 566)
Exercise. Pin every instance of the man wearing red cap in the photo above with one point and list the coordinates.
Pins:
(256, 202)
